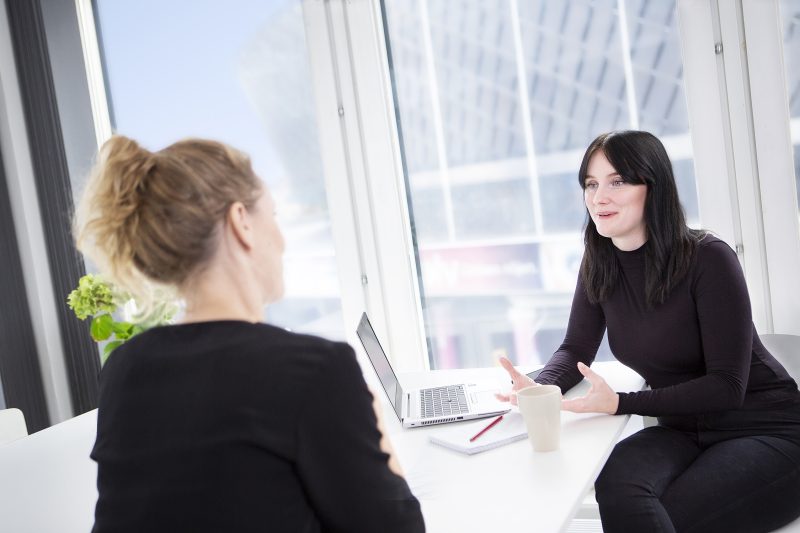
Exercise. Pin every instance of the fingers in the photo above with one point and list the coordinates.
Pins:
(376, 403)
(591, 376)
(599, 399)
(576, 405)
(376, 406)
(509, 367)
(510, 397)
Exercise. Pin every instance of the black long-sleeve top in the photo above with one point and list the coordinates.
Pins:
(698, 351)
(232, 426)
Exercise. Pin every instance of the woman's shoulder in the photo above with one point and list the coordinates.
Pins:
(714, 261)
(306, 345)
(251, 344)
(303, 356)
(226, 331)
(712, 248)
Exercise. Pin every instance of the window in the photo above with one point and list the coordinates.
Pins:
(496, 103)
(790, 15)
(238, 74)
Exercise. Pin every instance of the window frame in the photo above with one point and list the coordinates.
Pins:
(365, 182)
(730, 107)
(740, 123)
(774, 170)
(39, 187)
(732, 113)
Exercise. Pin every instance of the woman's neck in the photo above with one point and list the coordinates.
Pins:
(630, 242)
(215, 296)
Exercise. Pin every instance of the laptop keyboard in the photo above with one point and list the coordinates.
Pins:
(443, 401)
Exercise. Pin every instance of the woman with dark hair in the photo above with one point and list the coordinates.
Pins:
(725, 455)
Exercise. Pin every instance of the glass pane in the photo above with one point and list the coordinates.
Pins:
(790, 15)
(493, 130)
(238, 73)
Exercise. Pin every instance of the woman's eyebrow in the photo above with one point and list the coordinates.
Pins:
(588, 176)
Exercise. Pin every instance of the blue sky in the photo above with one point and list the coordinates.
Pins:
(171, 70)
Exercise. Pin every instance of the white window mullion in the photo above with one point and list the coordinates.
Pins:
(774, 160)
(94, 71)
(335, 155)
(738, 111)
(385, 188)
(525, 119)
(743, 152)
(627, 65)
(705, 101)
(436, 115)
(364, 178)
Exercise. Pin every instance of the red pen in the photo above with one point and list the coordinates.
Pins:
(487, 428)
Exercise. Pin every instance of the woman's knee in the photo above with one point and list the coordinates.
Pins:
(618, 479)
(644, 464)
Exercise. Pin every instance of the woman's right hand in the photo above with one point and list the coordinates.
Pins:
(519, 381)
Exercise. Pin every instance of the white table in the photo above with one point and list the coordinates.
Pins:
(511, 488)
(48, 481)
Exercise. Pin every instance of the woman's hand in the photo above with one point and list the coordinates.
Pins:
(519, 381)
(385, 444)
(600, 398)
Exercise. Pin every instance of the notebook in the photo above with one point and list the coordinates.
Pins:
(510, 429)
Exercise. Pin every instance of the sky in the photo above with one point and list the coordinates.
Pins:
(171, 70)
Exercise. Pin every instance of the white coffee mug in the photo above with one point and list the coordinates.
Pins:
(540, 407)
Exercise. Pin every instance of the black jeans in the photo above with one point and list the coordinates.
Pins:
(727, 472)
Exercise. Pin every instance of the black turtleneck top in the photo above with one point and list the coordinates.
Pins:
(698, 351)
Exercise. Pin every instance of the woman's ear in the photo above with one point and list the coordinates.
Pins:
(239, 220)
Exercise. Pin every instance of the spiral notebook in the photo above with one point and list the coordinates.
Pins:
(456, 437)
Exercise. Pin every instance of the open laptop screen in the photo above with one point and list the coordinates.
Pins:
(381, 364)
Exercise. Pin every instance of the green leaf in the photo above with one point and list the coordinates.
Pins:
(102, 327)
(110, 347)
(122, 330)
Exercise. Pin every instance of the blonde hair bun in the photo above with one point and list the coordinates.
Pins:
(151, 217)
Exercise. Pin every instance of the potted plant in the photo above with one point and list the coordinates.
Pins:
(114, 313)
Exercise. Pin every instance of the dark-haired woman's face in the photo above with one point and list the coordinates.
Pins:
(616, 207)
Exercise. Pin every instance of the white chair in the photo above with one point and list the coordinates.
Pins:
(786, 349)
(12, 425)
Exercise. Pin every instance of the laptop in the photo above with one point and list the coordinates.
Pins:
(423, 407)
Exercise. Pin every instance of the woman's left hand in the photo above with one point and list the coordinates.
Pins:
(385, 443)
(600, 398)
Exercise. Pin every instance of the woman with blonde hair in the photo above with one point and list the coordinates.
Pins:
(222, 422)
